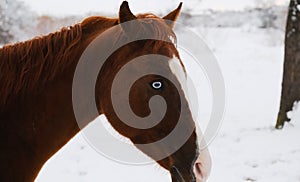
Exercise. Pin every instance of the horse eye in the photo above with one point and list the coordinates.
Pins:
(156, 85)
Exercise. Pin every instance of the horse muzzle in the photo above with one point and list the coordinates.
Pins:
(199, 173)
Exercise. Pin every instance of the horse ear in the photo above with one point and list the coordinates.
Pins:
(125, 13)
(172, 17)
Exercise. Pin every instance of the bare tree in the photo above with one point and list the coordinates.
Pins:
(291, 75)
(5, 36)
(15, 20)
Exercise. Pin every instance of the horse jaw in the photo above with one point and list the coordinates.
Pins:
(202, 166)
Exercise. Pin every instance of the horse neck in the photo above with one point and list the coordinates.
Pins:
(39, 119)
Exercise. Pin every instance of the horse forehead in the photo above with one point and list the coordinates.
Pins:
(178, 70)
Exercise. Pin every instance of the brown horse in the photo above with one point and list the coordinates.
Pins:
(36, 108)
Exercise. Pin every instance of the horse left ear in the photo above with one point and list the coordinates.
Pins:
(125, 13)
(172, 17)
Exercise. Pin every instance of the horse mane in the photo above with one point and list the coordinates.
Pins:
(24, 66)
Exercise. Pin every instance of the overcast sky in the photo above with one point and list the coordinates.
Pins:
(67, 7)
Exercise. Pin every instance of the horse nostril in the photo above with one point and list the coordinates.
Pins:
(198, 170)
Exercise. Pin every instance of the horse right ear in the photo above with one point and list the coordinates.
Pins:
(125, 15)
(172, 17)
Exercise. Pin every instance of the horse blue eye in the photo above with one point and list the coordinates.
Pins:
(156, 85)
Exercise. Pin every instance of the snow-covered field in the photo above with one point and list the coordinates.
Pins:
(247, 147)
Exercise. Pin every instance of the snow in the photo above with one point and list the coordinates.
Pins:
(3, 4)
(247, 147)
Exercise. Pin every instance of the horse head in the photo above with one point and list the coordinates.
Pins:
(155, 103)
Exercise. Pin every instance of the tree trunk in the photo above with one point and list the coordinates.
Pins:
(291, 75)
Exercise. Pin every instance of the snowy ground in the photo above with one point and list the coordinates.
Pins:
(247, 147)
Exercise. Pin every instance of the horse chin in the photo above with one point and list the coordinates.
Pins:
(177, 176)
